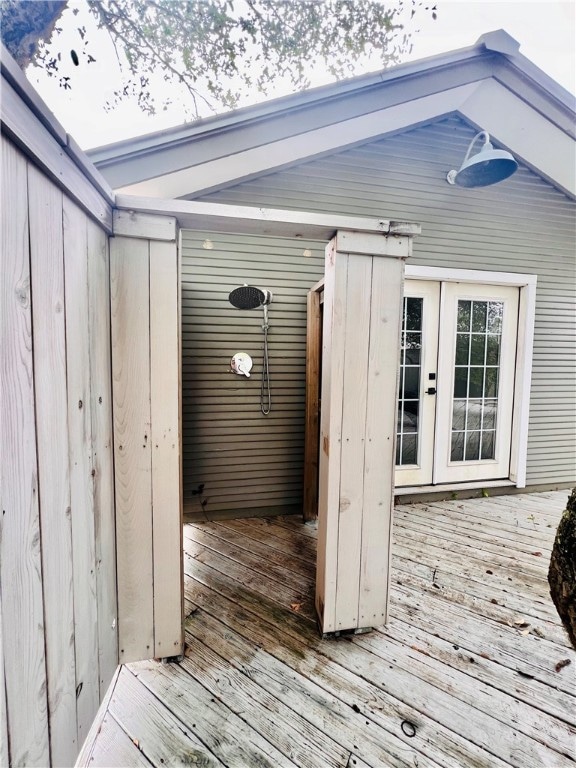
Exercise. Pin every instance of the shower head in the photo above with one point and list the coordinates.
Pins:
(249, 297)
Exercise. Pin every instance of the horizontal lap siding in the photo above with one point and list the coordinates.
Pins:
(521, 225)
(242, 458)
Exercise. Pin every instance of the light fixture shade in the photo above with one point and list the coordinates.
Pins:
(489, 166)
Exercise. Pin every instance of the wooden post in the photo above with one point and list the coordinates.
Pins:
(363, 296)
(313, 366)
(146, 386)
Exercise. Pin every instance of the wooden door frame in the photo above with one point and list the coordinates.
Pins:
(312, 419)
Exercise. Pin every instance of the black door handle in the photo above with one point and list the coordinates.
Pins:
(431, 391)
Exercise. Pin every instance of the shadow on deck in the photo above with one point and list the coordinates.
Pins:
(467, 673)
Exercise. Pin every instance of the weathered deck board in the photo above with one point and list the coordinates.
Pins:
(468, 657)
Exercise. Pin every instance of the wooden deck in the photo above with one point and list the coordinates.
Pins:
(467, 673)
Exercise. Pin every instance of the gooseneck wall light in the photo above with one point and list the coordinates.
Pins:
(488, 166)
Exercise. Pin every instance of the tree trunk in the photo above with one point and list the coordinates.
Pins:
(24, 24)
(562, 572)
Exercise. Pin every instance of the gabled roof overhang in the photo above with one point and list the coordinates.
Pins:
(490, 86)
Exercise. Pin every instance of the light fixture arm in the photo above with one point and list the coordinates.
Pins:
(487, 143)
(451, 175)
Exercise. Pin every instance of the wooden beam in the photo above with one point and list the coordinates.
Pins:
(166, 450)
(312, 434)
(332, 390)
(379, 455)
(130, 302)
(144, 225)
(218, 217)
(353, 443)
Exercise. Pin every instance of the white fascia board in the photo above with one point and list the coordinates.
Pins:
(449, 275)
(218, 217)
(532, 138)
(269, 157)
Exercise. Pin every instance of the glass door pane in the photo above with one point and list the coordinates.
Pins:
(409, 386)
(477, 364)
(476, 382)
(418, 358)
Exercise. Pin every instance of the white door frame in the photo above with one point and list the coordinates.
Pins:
(421, 472)
(527, 307)
(498, 466)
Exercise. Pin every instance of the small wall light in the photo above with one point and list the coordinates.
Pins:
(488, 166)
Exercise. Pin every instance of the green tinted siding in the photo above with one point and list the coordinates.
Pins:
(242, 458)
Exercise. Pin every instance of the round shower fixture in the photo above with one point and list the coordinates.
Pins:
(250, 297)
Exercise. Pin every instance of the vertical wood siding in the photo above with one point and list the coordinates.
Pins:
(146, 373)
(234, 457)
(20, 555)
(48, 302)
(130, 299)
(57, 565)
(521, 225)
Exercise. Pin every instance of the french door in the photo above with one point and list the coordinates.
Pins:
(457, 371)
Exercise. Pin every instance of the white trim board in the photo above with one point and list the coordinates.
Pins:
(217, 217)
(524, 353)
(449, 275)
(487, 104)
(412, 490)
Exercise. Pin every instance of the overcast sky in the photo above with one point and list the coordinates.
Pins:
(546, 32)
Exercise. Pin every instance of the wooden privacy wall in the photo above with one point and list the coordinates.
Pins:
(361, 337)
(57, 555)
(146, 385)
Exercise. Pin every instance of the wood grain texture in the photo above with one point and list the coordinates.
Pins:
(353, 415)
(100, 355)
(20, 555)
(380, 450)
(166, 452)
(115, 748)
(477, 688)
(81, 465)
(144, 225)
(226, 735)
(97, 724)
(160, 736)
(130, 307)
(48, 306)
(333, 333)
(312, 427)
(4, 745)
(298, 739)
